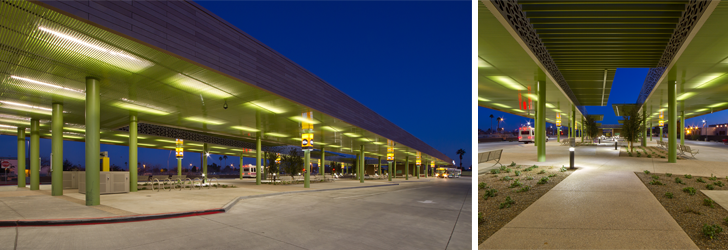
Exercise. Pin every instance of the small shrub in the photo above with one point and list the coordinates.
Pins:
(709, 187)
(668, 174)
(562, 169)
(481, 185)
(552, 175)
(144, 188)
(524, 189)
(513, 164)
(495, 171)
(507, 178)
(543, 180)
(518, 173)
(529, 178)
(527, 169)
(507, 170)
(687, 176)
(678, 180)
(480, 217)
(647, 171)
(656, 182)
(689, 190)
(700, 179)
(690, 210)
(718, 183)
(507, 203)
(713, 178)
(668, 195)
(655, 177)
(711, 230)
(708, 203)
(503, 168)
(726, 220)
(490, 193)
(516, 183)
(534, 166)
(543, 171)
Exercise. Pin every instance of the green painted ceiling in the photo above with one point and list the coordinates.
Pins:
(700, 72)
(45, 58)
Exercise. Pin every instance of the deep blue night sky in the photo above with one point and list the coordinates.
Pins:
(625, 89)
(408, 61)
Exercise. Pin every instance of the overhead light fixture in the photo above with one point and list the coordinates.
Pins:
(717, 105)
(204, 120)
(75, 129)
(501, 105)
(196, 86)
(99, 51)
(276, 134)
(296, 138)
(26, 107)
(507, 82)
(146, 144)
(110, 141)
(707, 80)
(331, 128)
(685, 96)
(378, 143)
(140, 107)
(304, 119)
(354, 135)
(11, 119)
(482, 63)
(549, 105)
(483, 99)
(73, 93)
(532, 96)
(334, 146)
(265, 107)
(126, 135)
(244, 128)
(701, 110)
(7, 126)
(167, 141)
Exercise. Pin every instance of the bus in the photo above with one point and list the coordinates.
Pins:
(527, 134)
(249, 171)
(454, 172)
(443, 172)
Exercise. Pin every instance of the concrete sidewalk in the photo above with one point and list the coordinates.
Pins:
(23, 204)
(601, 205)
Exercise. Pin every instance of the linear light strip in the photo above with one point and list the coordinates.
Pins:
(25, 105)
(67, 37)
(46, 84)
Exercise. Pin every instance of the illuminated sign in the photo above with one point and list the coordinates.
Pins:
(179, 150)
(662, 116)
(419, 158)
(278, 159)
(307, 127)
(307, 141)
(390, 151)
(558, 119)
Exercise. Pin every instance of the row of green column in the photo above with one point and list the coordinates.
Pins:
(541, 121)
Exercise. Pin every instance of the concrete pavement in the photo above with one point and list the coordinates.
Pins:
(603, 204)
(413, 215)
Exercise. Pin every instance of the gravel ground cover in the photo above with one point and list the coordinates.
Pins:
(491, 217)
(646, 152)
(691, 212)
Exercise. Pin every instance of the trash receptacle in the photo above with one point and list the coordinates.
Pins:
(725, 141)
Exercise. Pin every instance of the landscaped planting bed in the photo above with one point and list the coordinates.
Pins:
(694, 212)
(504, 193)
(646, 152)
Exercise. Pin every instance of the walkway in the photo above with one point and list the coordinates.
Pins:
(602, 205)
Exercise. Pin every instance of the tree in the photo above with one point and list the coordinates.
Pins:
(220, 158)
(499, 121)
(225, 157)
(194, 169)
(293, 162)
(590, 126)
(632, 126)
(271, 157)
(67, 165)
(491, 122)
(461, 152)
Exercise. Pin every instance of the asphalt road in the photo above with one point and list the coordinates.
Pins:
(415, 215)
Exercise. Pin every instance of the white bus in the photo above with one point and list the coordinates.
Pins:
(527, 134)
(249, 171)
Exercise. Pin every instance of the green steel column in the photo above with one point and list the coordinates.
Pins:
(406, 167)
(535, 124)
(241, 166)
(389, 171)
(205, 153)
(417, 170)
(57, 150)
(672, 120)
(179, 167)
(644, 127)
(307, 165)
(660, 133)
(682, 127)
(133, 175)
(93, 147)
(581, 131)
(258, 160)
(20, 168)
(363, 164)
(541, 122)
(34, 155)
(573, 121)
(379, 166)
(322, 168)
(651, 130)
(558, 133)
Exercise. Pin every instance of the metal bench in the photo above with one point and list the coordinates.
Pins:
(490, 156)
(686, 150)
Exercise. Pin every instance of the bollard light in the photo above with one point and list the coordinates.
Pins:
(615, 145)
(571, 157)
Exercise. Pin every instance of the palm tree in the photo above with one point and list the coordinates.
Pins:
(461, 152)
(225, 157)
(499, 121)
(220, 158)
(491, 123)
